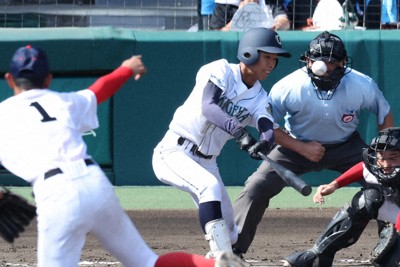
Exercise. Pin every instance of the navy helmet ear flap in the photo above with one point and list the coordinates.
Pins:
(249, 55)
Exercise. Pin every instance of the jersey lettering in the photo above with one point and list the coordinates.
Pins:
(241, 113)
(45, 115)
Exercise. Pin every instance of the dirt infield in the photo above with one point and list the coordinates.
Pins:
(281, 232)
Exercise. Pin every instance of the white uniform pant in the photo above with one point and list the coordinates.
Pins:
(176, 165)
(69, 208)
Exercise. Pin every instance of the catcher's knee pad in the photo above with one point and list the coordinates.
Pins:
(366, 203)
(387, 252)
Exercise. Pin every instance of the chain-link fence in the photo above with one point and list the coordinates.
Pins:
(151, 14)
(145, 14)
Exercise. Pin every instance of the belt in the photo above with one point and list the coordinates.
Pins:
(56, 171)
(194, 149)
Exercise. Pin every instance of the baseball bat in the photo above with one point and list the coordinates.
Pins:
(288, 176)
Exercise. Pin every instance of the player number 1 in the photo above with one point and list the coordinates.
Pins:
(46, 117)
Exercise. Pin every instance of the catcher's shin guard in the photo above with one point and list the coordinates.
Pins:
(343, 231)
(340, 233)
(217, 235)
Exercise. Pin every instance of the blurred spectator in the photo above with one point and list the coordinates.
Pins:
(349, 19)
(389, 15)
(223, 13)
(368, 13)
(260, 13)
(327, 16)
(206, 11)
(300, 12)
(277, 12)
(377, 14)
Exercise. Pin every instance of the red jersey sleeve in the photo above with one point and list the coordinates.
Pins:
(352, 175)
(397, 225)
(107, 85)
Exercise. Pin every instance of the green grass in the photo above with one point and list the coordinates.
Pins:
(167, 197)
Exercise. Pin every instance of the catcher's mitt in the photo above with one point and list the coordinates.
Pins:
(15, 214)
(387, 238)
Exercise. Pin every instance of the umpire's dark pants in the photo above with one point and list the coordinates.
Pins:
(264, 183)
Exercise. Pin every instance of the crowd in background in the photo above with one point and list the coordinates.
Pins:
(196, 15)
(302, 14)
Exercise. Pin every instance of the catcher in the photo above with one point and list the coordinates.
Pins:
(379, 201)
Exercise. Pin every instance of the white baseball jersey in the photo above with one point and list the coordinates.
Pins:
(41, 131)
(31, 136)
(246, 104)
(331, 121)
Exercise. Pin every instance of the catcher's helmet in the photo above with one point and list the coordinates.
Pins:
(327, 47)
(259, 39)
(387, 140)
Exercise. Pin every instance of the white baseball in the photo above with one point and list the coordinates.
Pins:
(319, 68)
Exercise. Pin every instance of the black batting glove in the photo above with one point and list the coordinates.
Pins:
(244, 139)
(261, 146)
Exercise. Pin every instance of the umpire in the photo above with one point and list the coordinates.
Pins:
(321, 114)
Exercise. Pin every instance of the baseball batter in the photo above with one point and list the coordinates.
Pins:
(321, 115)
(41, 142)
(381, 200)
(226, 98)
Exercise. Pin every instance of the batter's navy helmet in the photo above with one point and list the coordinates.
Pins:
(259, 39)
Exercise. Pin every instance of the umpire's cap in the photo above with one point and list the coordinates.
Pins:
(326, 46)
(30, 63)
(259, 39)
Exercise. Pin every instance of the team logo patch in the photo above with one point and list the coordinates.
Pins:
(278, 39)
(268, 108)
(347, 117)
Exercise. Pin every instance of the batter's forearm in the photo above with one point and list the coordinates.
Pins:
(266, 128)
(214, 113)
(106, 86)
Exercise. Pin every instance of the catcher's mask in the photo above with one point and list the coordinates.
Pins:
(387, 140)
(326, 47)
